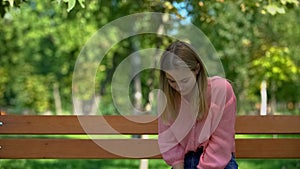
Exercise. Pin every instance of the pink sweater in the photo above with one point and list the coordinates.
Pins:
(215, 133)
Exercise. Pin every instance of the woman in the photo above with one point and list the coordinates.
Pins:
(196, 127)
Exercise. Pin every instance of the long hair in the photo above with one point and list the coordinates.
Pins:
(181, 55)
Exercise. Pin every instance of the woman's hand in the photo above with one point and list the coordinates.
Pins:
(178, 166)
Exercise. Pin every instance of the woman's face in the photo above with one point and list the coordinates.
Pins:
(182, 80)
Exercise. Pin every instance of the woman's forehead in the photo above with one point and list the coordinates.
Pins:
(178, 74)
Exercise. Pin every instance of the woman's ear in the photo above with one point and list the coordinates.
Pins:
(197, 70)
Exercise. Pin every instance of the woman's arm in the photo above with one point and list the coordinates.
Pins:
(220, 145)
(172, 151)
(178, 166)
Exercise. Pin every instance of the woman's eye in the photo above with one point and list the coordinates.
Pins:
(171, 81)
(184, 80)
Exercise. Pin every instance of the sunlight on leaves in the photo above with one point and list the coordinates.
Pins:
(11, 2)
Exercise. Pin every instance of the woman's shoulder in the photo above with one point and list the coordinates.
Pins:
(219, 83)
(218, 80)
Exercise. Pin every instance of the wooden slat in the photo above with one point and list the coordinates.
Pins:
(268, 148)
(112, 124)
(132, 148)
(13, 124)
(267, 125)
(78, 148)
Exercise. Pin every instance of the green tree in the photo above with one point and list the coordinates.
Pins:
(40, 42)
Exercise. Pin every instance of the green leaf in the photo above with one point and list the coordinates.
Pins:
(284, 2)
(281, 10)
(272, 9)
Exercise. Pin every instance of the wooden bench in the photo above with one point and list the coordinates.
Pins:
(27, 137)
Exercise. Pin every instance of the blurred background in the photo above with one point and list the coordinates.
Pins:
(257, 42)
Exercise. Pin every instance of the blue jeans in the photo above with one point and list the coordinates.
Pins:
(191, 160)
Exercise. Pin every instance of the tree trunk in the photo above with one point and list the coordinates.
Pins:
(86, 107)
(263, 92)
(273, 97)
(57, 99)
(160, 31)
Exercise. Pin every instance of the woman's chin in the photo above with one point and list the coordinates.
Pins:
(185, 93)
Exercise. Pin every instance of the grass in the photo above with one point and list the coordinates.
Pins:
(269, 163)
(134, 164)
(78, 164)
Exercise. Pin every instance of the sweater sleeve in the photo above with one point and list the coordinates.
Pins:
(221, 143)
(171, 149)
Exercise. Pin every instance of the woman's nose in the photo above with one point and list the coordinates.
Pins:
(179, 87)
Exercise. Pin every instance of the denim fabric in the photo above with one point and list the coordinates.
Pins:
(191, 160)
(232, 163)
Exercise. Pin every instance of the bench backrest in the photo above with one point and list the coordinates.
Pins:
(28, 137)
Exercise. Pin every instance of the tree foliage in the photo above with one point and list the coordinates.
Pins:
(40, 41)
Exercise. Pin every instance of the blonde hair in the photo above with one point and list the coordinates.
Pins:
(181, 55)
